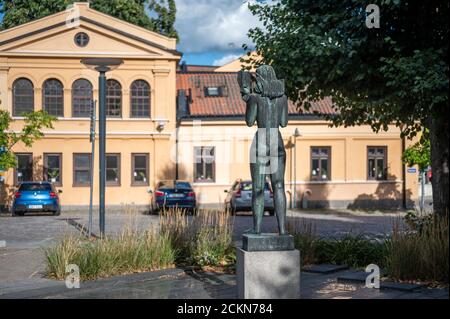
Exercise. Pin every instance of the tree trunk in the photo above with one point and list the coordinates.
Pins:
(439, 140)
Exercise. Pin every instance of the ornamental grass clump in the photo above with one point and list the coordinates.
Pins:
(305, 239)
(420, 253)
(204, 239)
(130, 252)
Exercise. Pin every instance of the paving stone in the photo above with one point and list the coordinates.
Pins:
(399, 286)
(324, 268)
(178, 284)
(355, 276)
(360, 277)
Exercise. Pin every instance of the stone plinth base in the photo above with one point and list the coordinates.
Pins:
(268, 274)
(266, 242)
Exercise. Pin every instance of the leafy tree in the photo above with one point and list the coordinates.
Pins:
(166, 11)
(397, 73)
(419, 153)
(17, 12)
(31, 131)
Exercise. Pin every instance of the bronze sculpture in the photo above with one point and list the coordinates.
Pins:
(267, 105)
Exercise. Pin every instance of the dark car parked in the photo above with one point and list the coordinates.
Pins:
(239, 197)
(174, 194)
(36, 197)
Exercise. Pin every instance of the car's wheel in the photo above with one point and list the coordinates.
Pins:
(271, 212)
(57, 213)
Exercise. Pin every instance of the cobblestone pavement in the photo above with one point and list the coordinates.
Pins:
(188, 284)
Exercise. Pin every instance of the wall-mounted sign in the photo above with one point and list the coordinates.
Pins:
(412, 170)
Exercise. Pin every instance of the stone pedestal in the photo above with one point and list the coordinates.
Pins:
(268, 274)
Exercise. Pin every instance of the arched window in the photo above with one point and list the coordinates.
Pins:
(23, 97)
(53, 97)
(113, 99)
(140, 99)
(81, 98)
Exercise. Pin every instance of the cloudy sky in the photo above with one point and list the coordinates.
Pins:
(213, 31)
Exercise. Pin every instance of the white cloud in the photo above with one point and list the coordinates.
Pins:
(219, 25)
(226, 59)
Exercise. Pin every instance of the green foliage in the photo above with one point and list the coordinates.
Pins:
(419, 153)
(31, 131)
(166, 11)
(353, 251)
(397, 73)
(134, 11)
(418, 222)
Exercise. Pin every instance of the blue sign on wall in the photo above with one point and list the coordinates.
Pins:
(412, 170)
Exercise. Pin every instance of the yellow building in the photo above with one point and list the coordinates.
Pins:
(326, 167)
(40, 69)
(150, 107)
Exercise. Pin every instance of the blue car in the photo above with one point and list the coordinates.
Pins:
(174, 194)
(36, 197)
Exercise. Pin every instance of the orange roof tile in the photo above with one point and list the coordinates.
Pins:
(230, 103)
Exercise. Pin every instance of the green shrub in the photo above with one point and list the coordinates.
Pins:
(353, 251)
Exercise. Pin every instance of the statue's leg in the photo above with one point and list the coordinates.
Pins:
(279, 196)
(258, 179)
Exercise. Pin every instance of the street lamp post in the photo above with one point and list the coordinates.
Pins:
(102, 65)
(294, 195)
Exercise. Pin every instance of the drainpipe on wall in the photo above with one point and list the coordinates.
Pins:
(181, 111)
(403, 172)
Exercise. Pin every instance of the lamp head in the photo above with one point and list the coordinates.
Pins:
(102, 64)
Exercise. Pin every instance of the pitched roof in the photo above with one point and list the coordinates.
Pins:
(230, 103)
(41, 37)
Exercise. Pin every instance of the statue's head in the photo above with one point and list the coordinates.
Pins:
(267, 83)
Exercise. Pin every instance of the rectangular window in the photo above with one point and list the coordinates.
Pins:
(204, 164)
(320, 163)
(139, 169)
(24, 169)
(113, 169)
(377, 162)
(81, 169)
(53, 168)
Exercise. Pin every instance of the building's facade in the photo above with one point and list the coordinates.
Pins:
(326, 167)
(150, 107)
(40, 69)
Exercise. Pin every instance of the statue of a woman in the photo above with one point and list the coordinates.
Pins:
(267, 106)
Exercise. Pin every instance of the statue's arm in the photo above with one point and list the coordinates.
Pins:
(284, 111)
(251, 110)
(245, 83)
